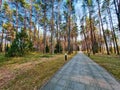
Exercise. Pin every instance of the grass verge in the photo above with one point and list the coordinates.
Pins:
(32, 71)
(110, 62)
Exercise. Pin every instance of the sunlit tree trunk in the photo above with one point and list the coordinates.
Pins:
(30, 20)
(52, 28)
(69, 26)
(91, 31)
(16, 16)
(85, 40)
(100, 37)
(111, 26)
(44, 36)
(114, 35)
(102, 27)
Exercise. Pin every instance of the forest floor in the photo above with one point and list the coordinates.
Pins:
(29, 72)
(110, 62)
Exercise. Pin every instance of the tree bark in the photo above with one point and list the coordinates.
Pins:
(111, 26)
(30, 20)
(16, 16)
(69, 28)
(25, 17)
(117, 9)
(86, 42)
(91, 31)
(1, 44)
(52, 28)
(100, 37)
(114, 35)
(44, 37)
(103, 28)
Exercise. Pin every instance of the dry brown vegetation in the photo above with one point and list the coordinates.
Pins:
(29, 72)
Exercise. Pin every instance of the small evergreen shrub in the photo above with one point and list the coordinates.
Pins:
(20, 46)
(58, 48)
(47, 49)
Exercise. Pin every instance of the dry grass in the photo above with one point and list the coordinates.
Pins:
(29, 72)
(110, 62)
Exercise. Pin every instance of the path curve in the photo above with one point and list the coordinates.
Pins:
(81, 73)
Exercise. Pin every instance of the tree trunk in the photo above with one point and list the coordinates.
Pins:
(100, 38)
(38, 42)
(44, 37)
(69, 28)
(25, 17)
(91, 31)
(52, 28)
(30, 37)
(103, 28)
(119, 14)
(1, 44)
(111, 26)
(5, 43)
(69, 31)
(114, 35)
(86, 42)
(16, 16)
(117, 9)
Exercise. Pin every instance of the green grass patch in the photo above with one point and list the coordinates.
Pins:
(13, 60)
(46, 55)
(29, 57)
(110, 62)
(3, 59)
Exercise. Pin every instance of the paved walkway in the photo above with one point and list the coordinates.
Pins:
(81, 73)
